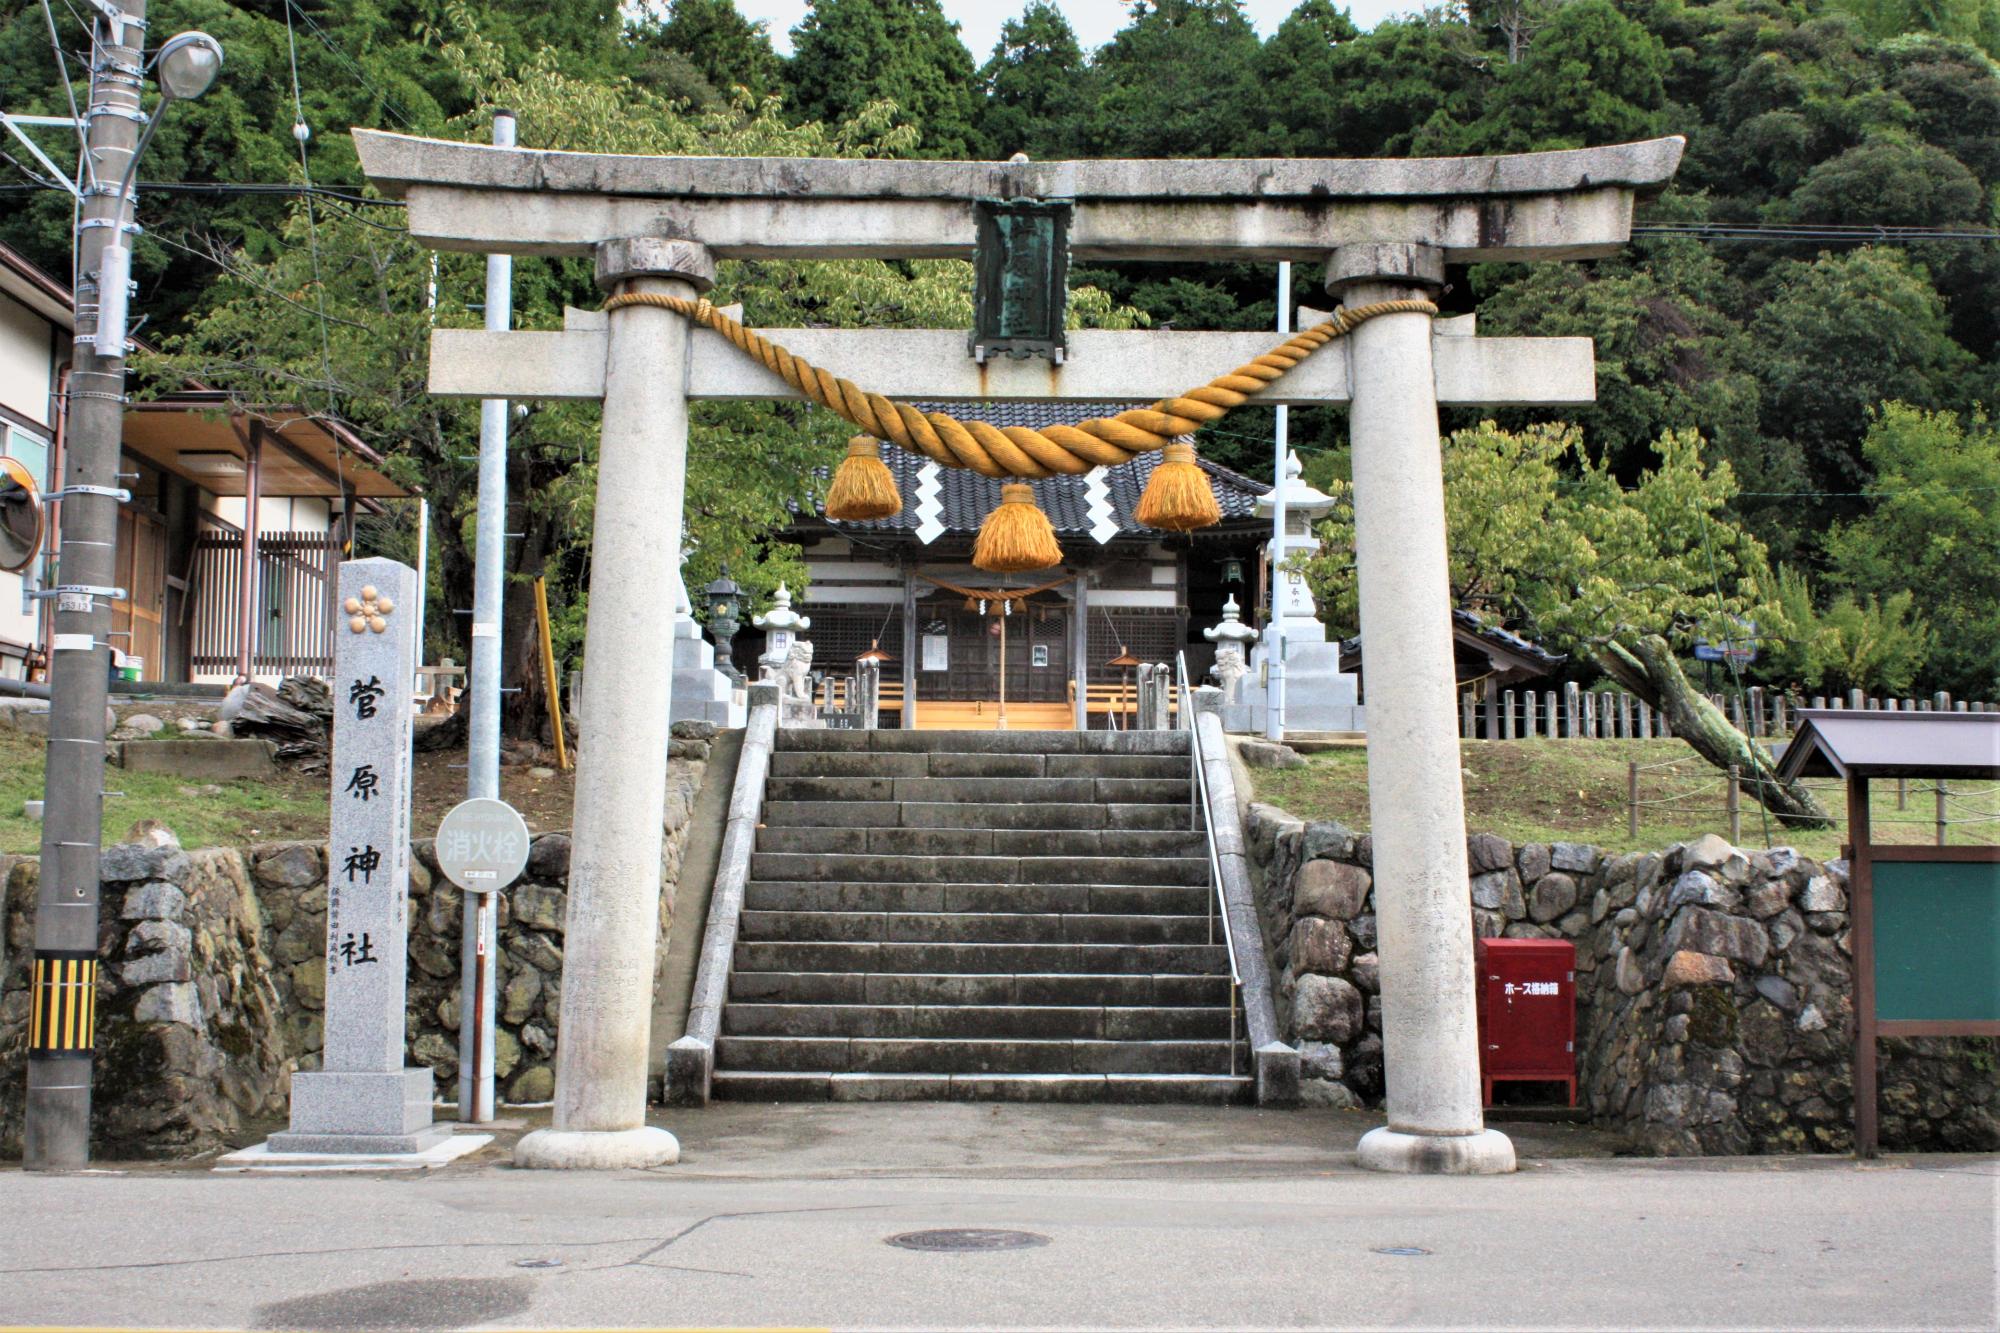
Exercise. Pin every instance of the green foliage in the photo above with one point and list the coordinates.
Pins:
(724, 50)
(1545, 540)
(1932, 534)
(1178, 81)
(1872, 644)
(1841, 335)
(849, 53)
(1591, 76)
(1037, 89)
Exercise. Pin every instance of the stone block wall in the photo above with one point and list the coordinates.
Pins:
(213, 983)
(1714, 988)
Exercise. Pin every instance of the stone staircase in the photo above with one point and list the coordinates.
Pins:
(1018, 916)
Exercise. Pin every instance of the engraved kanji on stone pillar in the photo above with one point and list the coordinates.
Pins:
(362, 1099)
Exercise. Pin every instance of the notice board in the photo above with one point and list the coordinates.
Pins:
(1937, 941)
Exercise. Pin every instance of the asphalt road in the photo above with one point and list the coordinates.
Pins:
(1143, 1217)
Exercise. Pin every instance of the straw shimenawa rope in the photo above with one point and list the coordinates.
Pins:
(1019, 451)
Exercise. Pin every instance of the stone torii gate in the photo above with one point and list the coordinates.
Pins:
(1384, 230)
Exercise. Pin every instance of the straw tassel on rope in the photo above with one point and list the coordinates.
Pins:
(1178, 496)
(862, 487)
(1017, 537)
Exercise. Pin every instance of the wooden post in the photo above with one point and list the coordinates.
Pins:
(1861, 903)
(1555, 725)
(1625, 716)
(1902, 793)
(1490, 707)
(1001, 723)
(1507, 716)
(1632, 800)
(1528, 720)
(1590, 716)
(1080, 646)
(549, 672)
(910, 631)
(1465, 728)
(1735, 805)
(1943, 790)
(1572, 710)
(1645, 720)
(1757, 710)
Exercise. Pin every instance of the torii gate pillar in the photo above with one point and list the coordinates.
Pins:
(613, 918)
(1430, 1042)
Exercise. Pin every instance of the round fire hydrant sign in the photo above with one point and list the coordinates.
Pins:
(482, 845)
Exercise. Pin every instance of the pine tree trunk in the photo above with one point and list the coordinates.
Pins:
(1648, 669)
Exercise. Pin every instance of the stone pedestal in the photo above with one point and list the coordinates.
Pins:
(701, 692)
(1319, 696)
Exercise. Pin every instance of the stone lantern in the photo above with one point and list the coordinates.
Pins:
(725, 617)
(1232, 639)
(781, 626)
(1318, 696)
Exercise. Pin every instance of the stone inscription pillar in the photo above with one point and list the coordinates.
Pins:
(1416, 802)
(362, 1099)
(613, 919)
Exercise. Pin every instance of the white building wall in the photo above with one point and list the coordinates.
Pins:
(27, 375)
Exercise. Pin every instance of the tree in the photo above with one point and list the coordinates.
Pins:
(1592, 76)
(1839, 336)
(849, 53)
(1037, 88)
(1932, 533)
(723, 48)
(1300, 58)
(1871, 644)
(1179, 80)
(1546, 541)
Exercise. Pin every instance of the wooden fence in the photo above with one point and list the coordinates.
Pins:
(1575, 714)
(291, 608)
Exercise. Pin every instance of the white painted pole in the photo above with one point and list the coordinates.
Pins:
(479, 946)
(613, 921)
(1274, 634)
(1416, 801)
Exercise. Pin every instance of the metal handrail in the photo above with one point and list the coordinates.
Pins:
(1203, 812)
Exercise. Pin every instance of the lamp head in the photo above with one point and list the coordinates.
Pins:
(188, 64)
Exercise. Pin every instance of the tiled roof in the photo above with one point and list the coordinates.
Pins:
(969, 497)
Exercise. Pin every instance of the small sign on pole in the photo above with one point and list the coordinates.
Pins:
(482, 845)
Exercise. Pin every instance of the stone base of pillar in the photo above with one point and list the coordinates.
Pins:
(597, 1150)
(1487, 1153)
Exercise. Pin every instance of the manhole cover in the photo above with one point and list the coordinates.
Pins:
(967, 1238)
(1401, 1251)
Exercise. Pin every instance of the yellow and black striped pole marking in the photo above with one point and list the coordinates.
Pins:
(63, 1016)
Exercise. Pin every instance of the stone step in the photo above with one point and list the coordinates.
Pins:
(932, 956)
(1046, 1022)
(993, 988)
(976, 1055)
(978, 869)
(835, 812)
(983, 842)
(975, 927)
(1123, 1089)
(998, 791)
(953, 764)
(834, 896)
(986, 742)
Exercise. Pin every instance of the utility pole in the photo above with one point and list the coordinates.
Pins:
(1274, 633)
(57, 1131)
(479, 943)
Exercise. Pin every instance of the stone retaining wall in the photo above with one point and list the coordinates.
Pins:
(214, 977)
(1714, 988)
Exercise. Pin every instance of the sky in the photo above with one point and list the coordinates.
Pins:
(1094, 20)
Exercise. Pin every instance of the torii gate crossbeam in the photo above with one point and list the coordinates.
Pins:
(1384, 230)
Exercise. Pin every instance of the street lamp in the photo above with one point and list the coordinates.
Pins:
(115, 132)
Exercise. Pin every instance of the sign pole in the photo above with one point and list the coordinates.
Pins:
(479, 941)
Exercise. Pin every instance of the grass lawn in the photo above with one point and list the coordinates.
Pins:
(289, 806)
(1543, 791)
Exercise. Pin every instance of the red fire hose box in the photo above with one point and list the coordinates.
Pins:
(1527, 1012)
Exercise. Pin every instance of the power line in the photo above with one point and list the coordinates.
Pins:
(291, 189)
(1818, 233)
(388, 103)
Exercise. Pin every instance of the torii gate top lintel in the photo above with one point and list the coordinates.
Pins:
(1568, 204)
